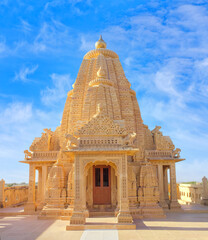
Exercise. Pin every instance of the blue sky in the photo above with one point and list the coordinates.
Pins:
(163, 48)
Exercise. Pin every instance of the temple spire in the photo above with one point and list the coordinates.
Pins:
(100, 43)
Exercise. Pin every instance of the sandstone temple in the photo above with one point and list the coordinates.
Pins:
(102, 159)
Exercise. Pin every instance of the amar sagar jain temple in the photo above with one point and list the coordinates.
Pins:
(102, 160)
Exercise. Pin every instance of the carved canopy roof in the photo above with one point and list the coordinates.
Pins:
(102, 126)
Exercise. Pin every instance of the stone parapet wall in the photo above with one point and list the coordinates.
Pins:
(11, 196)
(15, 195)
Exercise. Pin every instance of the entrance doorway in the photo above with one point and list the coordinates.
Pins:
(101, 185)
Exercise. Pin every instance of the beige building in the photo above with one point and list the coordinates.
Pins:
(194, 193)
(102, 158)
(190, 193)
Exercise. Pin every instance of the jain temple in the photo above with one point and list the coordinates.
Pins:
(102, 160)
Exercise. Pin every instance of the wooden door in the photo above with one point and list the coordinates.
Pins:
(101, 185)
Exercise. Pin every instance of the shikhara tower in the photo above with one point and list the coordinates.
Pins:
(102, 156)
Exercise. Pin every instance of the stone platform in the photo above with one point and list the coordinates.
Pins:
(102, 223)
(193, 226)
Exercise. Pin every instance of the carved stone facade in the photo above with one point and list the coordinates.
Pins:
(102, 144)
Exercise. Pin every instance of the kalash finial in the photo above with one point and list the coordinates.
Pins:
(100, 43)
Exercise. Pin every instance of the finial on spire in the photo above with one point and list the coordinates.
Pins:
(100, 43)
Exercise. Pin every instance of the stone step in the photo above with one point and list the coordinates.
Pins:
(109, 226)
(101, 223)
(101, 213)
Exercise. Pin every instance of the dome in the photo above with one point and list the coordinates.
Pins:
(100, 43)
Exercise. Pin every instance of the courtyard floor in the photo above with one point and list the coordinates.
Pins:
(192, 226)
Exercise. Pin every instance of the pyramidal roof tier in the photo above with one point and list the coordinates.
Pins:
(101, 81)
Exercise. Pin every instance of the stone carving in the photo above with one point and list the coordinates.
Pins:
(48, 131)
(156, 130)
(148, 186)
(148, 193)
(128, 140)
(72, 142)
(28, 155)
(176, 153)
(161, 142)
(47, 142)
(101, 125)
(55, 188)
(70, 187)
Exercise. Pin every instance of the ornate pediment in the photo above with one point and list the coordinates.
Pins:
(162, 142)
(102, 126)
(49, 141)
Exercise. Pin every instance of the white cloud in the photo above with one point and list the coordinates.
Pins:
(51, 37)
(20, 124)
(26, 27)
(128, 61)
(24, 73)
(61, 85)
(164, 82)
(86, 45)
(16, 113)
(2, 47)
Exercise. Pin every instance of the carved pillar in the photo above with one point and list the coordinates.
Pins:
(2, 197)
(89, 189)
(30, 206)
(118, 191)
(161, 186)
(78, 216)
(44, 181)
(165, 178)
(124, 215)
(173, 188)
(39, 197)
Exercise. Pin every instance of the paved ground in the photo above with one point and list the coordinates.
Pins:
(177, 226)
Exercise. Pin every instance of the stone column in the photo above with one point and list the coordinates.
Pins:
(118, 192)
(165, 178)
(124, 215)
(2, 197)
(204, 200)
(39, 190)
(173, 188)
(44, 181)
(30, 206)
(78, 216)
(163, 203)
(39, 198)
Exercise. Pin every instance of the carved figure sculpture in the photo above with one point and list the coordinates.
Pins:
(156, 129)
(72, 142)
(128, 140)
(176, 153)
(28, 155)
